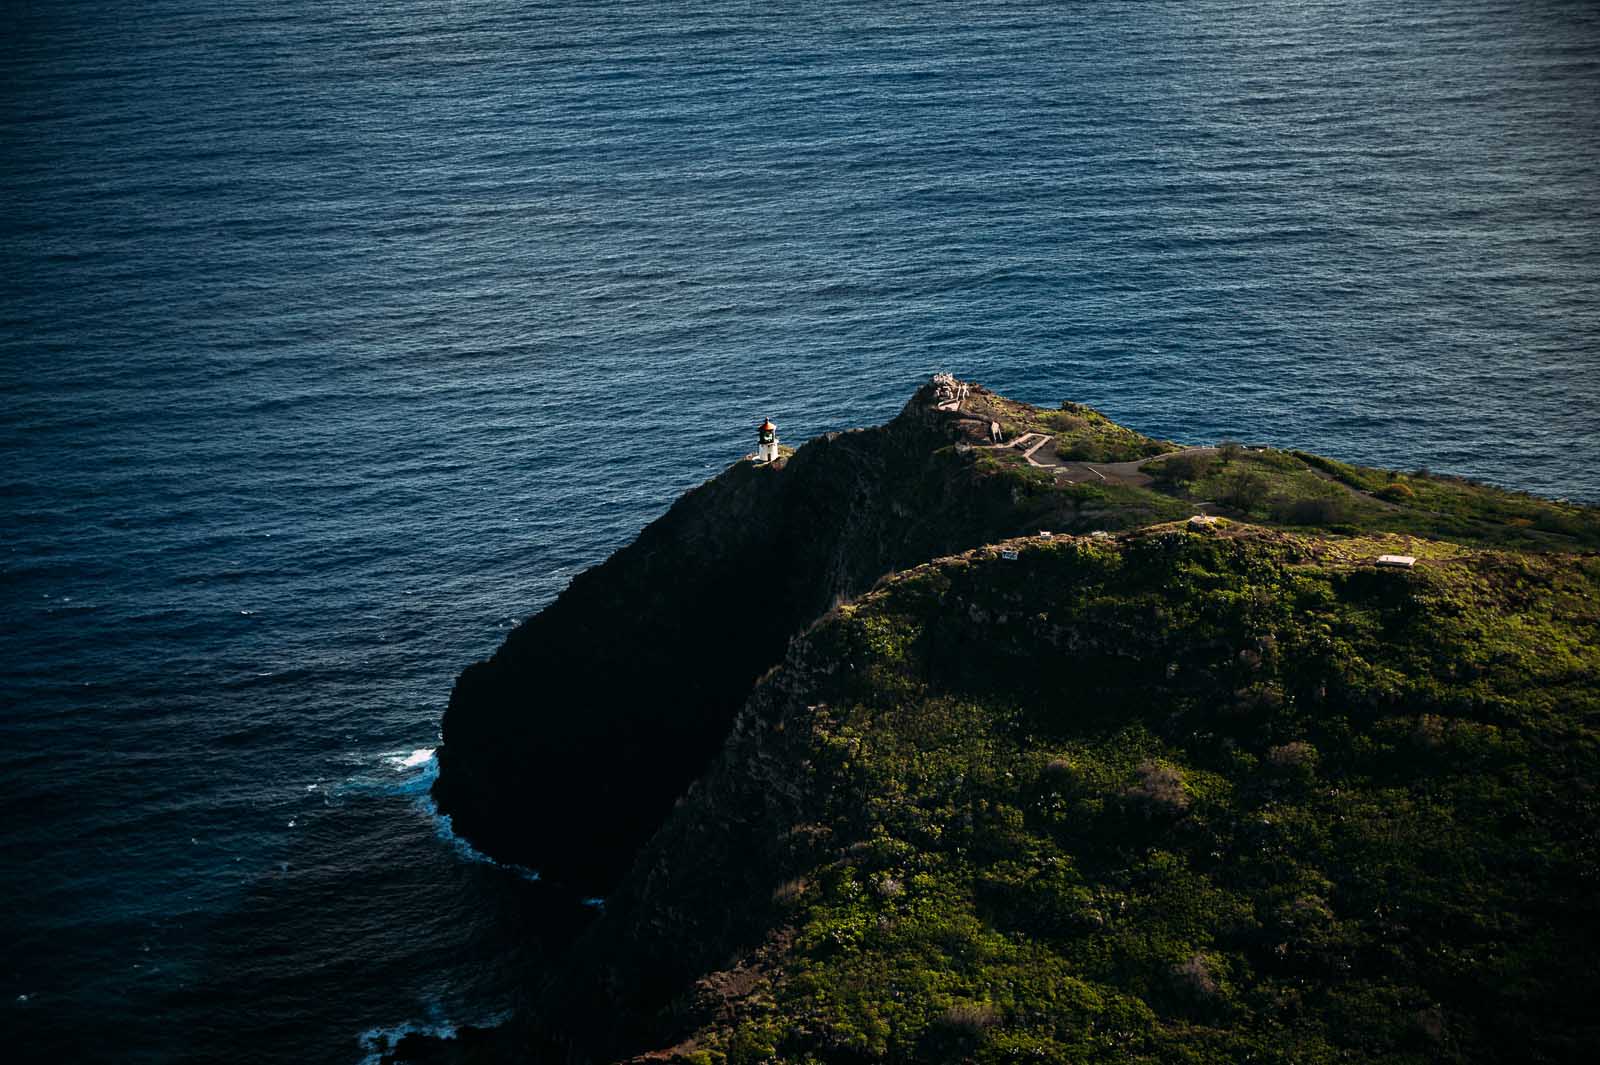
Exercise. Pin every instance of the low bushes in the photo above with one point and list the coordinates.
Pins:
(1181, 469)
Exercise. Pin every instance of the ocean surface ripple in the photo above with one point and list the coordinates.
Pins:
(337, 337)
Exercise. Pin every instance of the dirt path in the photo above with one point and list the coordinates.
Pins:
(1352, 489)
(1039, 449)
(1130, 472)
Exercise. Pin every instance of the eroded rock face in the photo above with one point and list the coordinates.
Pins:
(567, 749)
(699, 918)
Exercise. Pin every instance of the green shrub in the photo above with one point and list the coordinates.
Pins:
(1244, 491)
(1193, 979)
(1181, 469)
(1160, 787)
(1395, 492)
(1085, 449)
(971, 1017)
(1319, 510)
(1292, 755)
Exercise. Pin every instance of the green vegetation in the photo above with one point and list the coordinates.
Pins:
(1276, 487)
(1195, 796)
(1081, 433)
(1456, 508)
(1292, 489)
(1211, 792)
(1182, 469)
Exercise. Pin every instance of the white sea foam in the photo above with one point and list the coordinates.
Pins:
(420, 756)
(423, 764)
(375, 1042)
(470, 853)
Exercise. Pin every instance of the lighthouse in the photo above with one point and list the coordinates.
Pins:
(767, 442)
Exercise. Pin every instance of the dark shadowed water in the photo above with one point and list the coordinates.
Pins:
(337, 336)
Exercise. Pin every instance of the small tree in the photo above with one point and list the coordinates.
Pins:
(1229, 450)
(1180, 469)
(1245, 491)
(1396, 492)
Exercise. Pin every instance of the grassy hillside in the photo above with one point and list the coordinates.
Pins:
(1192, 795)
(1146, 792)
(1285, 488)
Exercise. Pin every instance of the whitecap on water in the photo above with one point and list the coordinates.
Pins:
(404, 771)
(420, 756)
(423, 763)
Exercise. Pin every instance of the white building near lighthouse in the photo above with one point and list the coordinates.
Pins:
(767, 442)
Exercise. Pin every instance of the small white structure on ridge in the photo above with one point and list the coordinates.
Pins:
(1397, 561)
(767, 442)
(948, 393)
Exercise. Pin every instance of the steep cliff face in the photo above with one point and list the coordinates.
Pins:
(567, 748)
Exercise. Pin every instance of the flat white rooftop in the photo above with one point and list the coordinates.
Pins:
(1397, 561)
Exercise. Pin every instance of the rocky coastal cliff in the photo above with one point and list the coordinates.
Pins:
(870, 769)
(610, 701)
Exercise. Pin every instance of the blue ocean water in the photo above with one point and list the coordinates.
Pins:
(337, 337)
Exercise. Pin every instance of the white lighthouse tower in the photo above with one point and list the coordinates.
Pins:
(767, 442)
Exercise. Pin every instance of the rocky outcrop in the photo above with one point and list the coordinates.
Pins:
(567, 749)
(1210, 790)
(683, 936)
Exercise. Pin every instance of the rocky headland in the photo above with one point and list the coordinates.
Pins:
(960, 739)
